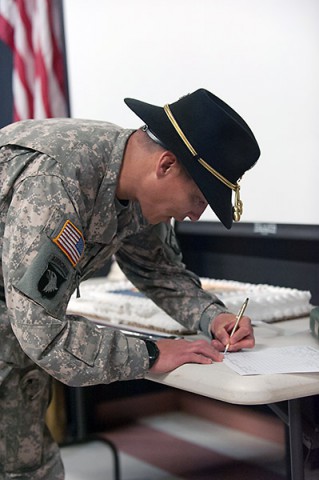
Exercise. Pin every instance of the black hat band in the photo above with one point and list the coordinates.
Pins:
(238, 207)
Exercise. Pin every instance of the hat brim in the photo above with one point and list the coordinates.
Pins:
(216, 193)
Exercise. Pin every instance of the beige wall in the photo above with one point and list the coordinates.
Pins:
(261, 56)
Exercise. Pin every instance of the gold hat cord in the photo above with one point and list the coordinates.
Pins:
(238, 207)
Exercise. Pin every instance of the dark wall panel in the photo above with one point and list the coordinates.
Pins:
(288, 257)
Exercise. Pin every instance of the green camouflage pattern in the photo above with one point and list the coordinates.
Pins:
(51, 172)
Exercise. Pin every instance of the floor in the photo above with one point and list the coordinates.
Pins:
(200, 441)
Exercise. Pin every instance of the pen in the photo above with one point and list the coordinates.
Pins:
(238, 318)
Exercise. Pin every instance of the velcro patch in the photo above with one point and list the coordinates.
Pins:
(70, 240)
(52, 278)
(48, 280)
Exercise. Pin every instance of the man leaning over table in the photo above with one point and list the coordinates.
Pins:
(74, 193)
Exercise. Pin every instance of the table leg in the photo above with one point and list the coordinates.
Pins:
(294, 437)
(81, 435)
(80, 416)
(295, 440)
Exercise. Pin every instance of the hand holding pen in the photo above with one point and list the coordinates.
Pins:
(238, 318)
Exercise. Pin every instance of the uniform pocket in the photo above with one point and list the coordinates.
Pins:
(83, 342)
(24, 397)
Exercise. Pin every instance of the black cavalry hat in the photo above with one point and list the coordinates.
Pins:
(212, 141)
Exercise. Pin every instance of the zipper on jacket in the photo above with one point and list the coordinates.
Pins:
(77, 283)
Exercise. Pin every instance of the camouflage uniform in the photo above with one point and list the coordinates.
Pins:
(59, 223)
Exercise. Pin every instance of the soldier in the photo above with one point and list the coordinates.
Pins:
(73, 194)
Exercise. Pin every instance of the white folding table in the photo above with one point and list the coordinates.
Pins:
(219, 382)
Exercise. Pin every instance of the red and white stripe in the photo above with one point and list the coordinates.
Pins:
(33, 30)
(70, 241)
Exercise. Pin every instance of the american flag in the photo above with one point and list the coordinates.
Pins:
(70, 240)
(33, 30)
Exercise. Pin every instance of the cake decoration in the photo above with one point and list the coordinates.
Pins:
(119, 303)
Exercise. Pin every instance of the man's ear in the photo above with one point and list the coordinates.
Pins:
(165, 164)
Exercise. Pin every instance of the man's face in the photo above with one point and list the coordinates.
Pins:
(175, 196)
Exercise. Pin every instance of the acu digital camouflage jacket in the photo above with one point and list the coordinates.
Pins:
(59, 223)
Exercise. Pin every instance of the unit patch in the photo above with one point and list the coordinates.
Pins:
(70, 240)
(52, 278)
(48, 279)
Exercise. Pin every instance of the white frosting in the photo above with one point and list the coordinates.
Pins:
(117, 302)
(266, 302)
(130, 308)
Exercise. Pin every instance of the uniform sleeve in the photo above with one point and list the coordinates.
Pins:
(152, 261)
(43, 244)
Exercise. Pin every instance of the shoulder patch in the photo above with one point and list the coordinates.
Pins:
(49, 280)
(70, 240)
(52, 278)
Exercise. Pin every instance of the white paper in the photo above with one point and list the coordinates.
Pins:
(292, 359)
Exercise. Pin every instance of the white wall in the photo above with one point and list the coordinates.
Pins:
(260, 56)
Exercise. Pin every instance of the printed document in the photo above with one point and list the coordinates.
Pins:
(291, 359)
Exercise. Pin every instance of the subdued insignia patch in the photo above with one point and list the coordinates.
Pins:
(70, 240)
(52, 279)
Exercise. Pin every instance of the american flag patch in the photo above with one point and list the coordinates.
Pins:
(70, 240)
